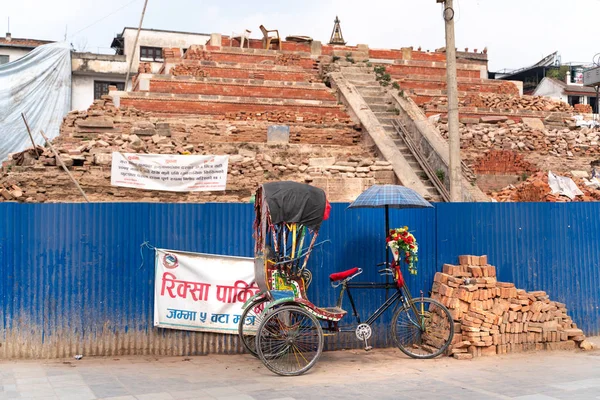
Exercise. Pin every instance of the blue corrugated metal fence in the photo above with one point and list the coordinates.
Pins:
(75, 280)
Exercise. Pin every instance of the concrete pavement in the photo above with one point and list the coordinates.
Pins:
(379, 374)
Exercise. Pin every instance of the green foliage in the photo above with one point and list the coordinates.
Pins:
(441, 175)
(558, 73)
(335, 58)
(369, 64)
(524, 177)
(349, 58)
(401, 93)
(395, 85)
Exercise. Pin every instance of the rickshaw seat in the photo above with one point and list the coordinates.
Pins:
(338, 276)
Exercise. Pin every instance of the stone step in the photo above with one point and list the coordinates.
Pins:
(360, 77)
(354, 69)
(374, 99)
(380, 108)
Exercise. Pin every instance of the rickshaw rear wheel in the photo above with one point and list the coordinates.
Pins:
(247, 333)
(289, 340)
(423, 329)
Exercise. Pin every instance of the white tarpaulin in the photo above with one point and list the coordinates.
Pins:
(175, 173)
(201, 292)
(38, 85)
(563, 185)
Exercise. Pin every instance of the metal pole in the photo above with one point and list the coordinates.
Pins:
(135, 45)
(387, 253)
(64, 166)
(30, 136)
(452, 88)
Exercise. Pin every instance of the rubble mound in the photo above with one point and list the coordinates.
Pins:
(506, 102)
(536, 188)
(492, 317)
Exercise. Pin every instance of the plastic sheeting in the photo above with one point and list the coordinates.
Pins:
(38, 85)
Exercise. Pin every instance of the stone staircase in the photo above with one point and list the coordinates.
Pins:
(375, 96)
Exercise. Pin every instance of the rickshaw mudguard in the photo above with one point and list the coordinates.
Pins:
(280, 297)
(253, 298)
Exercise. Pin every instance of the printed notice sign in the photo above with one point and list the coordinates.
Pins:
(176, 173)
(202, 292)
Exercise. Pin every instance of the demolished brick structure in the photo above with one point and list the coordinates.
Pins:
(213, 101)
(217, 99)
(492, 317)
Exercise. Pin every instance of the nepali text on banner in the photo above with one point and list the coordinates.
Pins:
(175, 173)
(202, 292)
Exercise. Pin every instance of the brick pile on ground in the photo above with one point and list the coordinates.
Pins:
(492, 317)
(496, 162)
(583, 108)
(89, 138)
(505, 102)
(536, 189)
(528, 136)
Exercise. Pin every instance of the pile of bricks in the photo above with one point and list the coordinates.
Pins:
(530, 136)
(505, 102)
(583, 108)
(503, 162)
(492, 317)
(189, 70)
(536, 189)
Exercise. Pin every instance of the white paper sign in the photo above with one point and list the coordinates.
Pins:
(176, 173)
(201, 292)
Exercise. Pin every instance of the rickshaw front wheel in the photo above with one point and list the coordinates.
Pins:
(289, 340)
(249, 322)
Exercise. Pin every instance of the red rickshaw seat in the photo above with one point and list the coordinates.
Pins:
(338, 276)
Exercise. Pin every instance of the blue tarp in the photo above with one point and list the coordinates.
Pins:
(38, 85)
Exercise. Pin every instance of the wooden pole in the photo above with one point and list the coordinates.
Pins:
(64, 166)
(135, 46)
(30, 136)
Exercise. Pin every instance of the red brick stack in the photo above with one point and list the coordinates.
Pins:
(494, 317)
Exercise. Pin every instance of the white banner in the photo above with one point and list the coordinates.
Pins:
(201, 292)
(175, 173)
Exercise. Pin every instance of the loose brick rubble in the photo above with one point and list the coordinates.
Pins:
(506, 102)
(492, 317)
(88, 139)
(536, 188)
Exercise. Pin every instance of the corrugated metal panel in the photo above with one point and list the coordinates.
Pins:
(74, 282)
(538, 246)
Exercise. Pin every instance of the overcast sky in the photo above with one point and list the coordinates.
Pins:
(517, 32)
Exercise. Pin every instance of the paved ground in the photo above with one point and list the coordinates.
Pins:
(380, 374)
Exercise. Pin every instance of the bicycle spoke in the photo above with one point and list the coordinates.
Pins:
(425, 334)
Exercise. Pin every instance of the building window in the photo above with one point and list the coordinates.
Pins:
(151, 53)
(3, 59)
(101, 87)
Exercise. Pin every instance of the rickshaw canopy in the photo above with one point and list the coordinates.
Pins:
(293, 202)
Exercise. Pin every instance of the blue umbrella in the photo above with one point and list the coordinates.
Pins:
(387, 196)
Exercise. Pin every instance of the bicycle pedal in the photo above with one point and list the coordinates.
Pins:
(368, 348)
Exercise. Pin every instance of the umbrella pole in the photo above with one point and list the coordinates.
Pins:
(387, 253)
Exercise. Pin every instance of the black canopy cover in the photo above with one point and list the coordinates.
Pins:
(295, 202)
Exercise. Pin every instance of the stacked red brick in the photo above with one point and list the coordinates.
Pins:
(503, 162)
(494, 317)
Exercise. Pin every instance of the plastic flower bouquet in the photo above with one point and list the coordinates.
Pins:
(404, 246)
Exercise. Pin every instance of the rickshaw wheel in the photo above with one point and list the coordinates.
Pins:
(289, 340)
(423, 329)
(247, 333)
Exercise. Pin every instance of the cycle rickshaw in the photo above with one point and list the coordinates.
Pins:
(282, 327)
